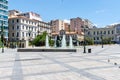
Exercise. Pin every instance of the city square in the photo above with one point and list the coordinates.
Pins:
(100, 64)
(59, 40)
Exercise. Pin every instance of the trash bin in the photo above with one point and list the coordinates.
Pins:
(89, 50)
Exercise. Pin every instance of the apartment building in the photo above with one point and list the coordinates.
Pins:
(78, 25)
(88, 23)
(58, 25)
(23, 29)
(67, 27)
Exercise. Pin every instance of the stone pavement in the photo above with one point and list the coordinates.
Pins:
(101, 64)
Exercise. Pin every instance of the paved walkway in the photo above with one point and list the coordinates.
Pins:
(101, 64)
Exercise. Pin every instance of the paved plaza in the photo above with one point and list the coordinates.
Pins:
(101, 64)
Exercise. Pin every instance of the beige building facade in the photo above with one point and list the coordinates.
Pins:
(67, 34)
(23, 29)
(58, 25)
(98, 34)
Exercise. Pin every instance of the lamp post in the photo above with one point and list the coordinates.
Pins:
(102, 40)
(15, 42)
(84, 42)
(2, 37)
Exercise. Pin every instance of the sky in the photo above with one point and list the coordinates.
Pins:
(99, 12)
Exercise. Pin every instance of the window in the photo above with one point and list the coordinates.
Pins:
(101, 32)
(23, 20)
(22, 34)
(12, 27)
(112, 32)
(23, 27)
(26, 34)
(32, 28)
(97, 32)
(88, 33)
(29, 34)
(12, 21)
(108, 32)
(94, 33)
(17, 20)
(17, 34)
(104, 32)
(17, 27)
(97, 38)
(12, 34)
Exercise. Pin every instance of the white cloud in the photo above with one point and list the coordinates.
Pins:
(95, 25)
(115, 23)
(66, 20)
(99, 11)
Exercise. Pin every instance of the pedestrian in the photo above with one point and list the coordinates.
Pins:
(115, 63)
(108, 60)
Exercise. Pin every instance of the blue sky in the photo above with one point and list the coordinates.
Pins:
(100, 12)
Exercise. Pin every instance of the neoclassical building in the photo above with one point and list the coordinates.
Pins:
(97, 34)
(23, 29)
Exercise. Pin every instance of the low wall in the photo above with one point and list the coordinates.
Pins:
(45, 50)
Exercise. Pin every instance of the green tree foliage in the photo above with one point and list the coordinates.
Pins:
(40, 40)
(89, 41)
(51, 42)
(107, 41)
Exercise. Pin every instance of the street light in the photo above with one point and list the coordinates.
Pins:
(86, 28)
(102, 40)
(84, 42)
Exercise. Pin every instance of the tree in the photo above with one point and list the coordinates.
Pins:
(89, 41)
(107, 41)
(40, 40)
(51, 42)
